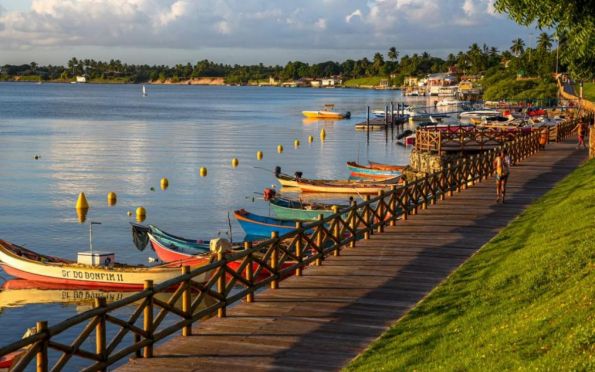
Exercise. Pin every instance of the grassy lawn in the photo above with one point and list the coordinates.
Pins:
(525, 301)
(364, 82)
(588, 91)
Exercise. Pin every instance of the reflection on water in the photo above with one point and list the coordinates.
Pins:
(96, 139)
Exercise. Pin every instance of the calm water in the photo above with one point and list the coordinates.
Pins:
(97, 139)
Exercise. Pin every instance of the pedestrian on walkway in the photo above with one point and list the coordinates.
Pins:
(580, 131)
(502, 165)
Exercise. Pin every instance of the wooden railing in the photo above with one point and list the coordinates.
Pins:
(465, 138)
(261, 265)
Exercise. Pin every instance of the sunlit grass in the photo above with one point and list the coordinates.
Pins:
(524, 301)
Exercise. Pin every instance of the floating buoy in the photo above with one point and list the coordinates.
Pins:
(81, 202)
(141, 214)
(296, 143)
(279, 148)
(234, 162)
(152, 188)
(203, 172)
(112, 198)
(322, 134)
(81, 214)
(164, 183)
(259, 155)
(36, 157)
(310, 139)
(129, 213)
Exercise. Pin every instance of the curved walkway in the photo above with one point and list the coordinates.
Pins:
(322, 320)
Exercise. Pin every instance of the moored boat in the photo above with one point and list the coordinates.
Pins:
(327, 113)
(23, 263)
(262, 226)
(297, 181)
(289, 209)
(349, 187)
(374, 170)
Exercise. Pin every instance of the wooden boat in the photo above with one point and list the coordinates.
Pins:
(178, 252)
(374, 170)
(262, 226)
(338, 186)
(326, 113)
(196, 245)
(294, 181)
(289, 209)
(23, 263)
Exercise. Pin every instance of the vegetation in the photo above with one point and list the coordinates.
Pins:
(574, 22)
(363, 82)
(588, 91)
(524, 301)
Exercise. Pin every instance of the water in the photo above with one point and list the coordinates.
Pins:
(98, 138)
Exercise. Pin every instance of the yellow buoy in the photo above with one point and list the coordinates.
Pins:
(322, 134)
(164, 183)
(310, 139)
(141, 213)
(259, 155)
(203, 172)
(112, 198)
(81, 202)
(129, 213)
(296, 143)
(81, 214)
(279, 148)
(234, 162)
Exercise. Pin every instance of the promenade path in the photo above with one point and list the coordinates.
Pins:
(322, 320)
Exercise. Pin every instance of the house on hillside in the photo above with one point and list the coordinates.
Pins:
(436, 82)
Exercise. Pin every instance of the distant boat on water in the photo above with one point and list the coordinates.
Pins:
(144, 91)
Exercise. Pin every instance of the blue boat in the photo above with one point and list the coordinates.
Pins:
(262, 226)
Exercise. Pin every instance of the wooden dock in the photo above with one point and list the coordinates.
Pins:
(323, 319)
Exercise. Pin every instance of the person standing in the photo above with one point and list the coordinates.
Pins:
(580, 131)
(502, 165)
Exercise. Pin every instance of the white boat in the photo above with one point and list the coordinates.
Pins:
(449, 102)
(144, 91)
(479, 114)
(418, 115)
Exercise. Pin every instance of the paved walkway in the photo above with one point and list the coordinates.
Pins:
(327, 317)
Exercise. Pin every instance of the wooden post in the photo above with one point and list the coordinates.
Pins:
(367, 217)
(222, 311)
(381, 212)
(449, 179)
(148, 320)
(353, 223)
(393, 205)
(592, 143)
(298, 246)
(249, 272)
(319, 241)
(424, 204)
(275, 259)
(336, 230)
(405, 201)
(100, 337)
(187, 301)
(42, 354)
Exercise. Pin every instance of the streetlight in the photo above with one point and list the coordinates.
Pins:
(557, 51)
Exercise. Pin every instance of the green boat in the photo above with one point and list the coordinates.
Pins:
(288, 209)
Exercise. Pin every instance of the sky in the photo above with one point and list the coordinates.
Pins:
(246, 31)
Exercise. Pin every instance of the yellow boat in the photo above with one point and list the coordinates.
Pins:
(327, 113)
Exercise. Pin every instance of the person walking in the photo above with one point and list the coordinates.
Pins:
(502, 165)
(580, 131)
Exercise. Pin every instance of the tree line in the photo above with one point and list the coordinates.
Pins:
(539, 61)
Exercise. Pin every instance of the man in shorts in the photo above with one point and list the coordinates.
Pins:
(502, 165)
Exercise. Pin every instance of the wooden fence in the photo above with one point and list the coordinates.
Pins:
(464, 138)
(262, 265)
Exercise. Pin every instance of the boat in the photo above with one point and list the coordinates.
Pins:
(141, 238)
(478, 114)
(176, 252)
(262, 226)
(374, 170)
(144, 91)
(449, 102)
(23, 263)
(289, 209)
(418, 115)
(297, 180)
(327, 113)
(345, 187)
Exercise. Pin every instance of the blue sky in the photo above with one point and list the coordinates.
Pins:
(245, 31)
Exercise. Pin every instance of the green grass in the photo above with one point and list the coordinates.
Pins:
(588, 91)
(524, 301)
(364, 82)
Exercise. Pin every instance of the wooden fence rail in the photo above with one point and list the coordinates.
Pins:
(261, 265)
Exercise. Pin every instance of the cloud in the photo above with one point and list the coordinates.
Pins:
(253, 24)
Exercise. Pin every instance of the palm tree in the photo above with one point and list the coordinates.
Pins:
(518, 47)
(544, 42)
(393, 54)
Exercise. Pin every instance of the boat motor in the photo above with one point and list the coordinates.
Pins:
(298, 175)
(277, 171)
(348, 115)
(268, 194)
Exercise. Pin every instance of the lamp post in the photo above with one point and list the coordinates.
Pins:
(557, 51)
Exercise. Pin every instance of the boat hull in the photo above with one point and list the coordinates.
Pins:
(323, 115)
(70, 273)
(374, 170)
(261, 226)
(286, 211)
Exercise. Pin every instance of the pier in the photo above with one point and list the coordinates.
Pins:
(345, 290)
